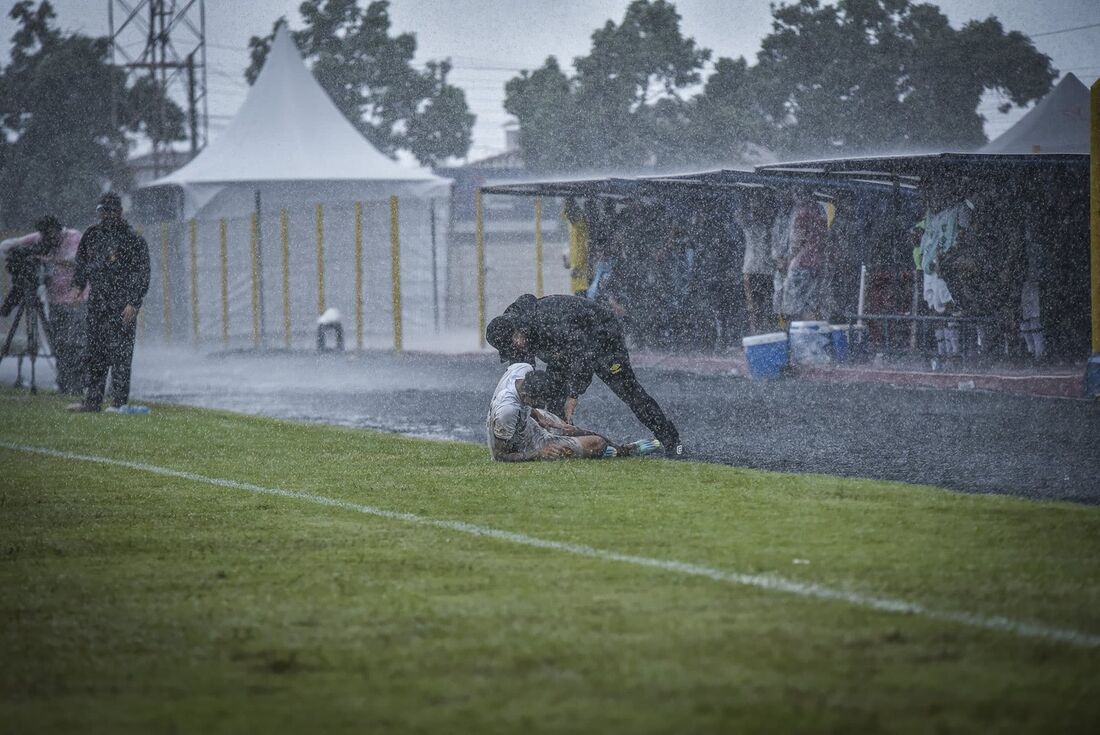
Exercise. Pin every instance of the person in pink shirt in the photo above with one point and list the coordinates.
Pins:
(65, 302)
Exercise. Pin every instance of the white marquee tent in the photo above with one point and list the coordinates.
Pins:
(1059, 123)
(289, 148)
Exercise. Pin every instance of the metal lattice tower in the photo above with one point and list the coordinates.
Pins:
(165, 40)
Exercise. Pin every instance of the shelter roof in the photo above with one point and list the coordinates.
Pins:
(914, 167)
(721, 180)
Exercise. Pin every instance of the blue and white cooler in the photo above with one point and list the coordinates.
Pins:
(839, 334)
(766, 354)
(809, 343)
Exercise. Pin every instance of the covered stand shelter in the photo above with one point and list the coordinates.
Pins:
(1031, 215)
(1028, 205)
(288, 212)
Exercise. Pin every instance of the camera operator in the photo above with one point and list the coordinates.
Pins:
(54, 248)
(113, 261)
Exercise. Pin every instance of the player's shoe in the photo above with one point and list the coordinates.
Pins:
(640, 448)
(610, 452)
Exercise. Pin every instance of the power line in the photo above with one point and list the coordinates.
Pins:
(1065, 30)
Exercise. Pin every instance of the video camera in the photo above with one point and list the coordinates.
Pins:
(27, 273)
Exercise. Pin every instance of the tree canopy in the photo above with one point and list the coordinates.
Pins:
(626, 92)
(857, 76)
(59, 141)
(874, 75)
(370, 76)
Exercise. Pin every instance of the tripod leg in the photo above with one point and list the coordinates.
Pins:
(19, 372)
(32, 342)
(11, 332)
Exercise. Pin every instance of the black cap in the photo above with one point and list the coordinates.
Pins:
(49, 223)
(110, 202)
(499, 333)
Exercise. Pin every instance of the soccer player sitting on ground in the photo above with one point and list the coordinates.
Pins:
(519, 430)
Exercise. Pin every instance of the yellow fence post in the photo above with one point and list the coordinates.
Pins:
(284, 236)
(193, 242)
(395, 273)
(253, 247)
(479, 240)
(538, 247)
(224, 267)
(165, 281)
(358, 275)
(320, 260)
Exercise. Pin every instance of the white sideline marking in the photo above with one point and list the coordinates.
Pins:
(761, 581)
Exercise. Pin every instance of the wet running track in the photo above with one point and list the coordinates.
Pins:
(972, 441)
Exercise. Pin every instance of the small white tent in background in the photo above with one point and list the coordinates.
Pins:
(1059, 123)
(289, 148)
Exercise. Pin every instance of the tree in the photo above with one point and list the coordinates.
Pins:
(543, 101)
(370, 77)
(726, 119)
(618, 106)
(878, 75)
(61, 141)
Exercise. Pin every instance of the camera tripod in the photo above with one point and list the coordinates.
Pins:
(33, 314)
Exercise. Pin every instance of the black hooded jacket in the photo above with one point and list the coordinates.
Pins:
(115, 261)
(568, 333)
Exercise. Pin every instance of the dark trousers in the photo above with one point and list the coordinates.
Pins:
(110, 348)
(612, 366)
(68, 327)
(758, 301)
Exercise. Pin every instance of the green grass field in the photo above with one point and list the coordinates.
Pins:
(133, 601)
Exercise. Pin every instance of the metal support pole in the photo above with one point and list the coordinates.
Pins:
(254, 226)
(166, 281)
(284, 236)
(435, 268)
(395, 273)
(538, 247)
(192, 106)
(479, 239)
(259, 266)
(193, 242)
(224, 267)
(320, 260)
(358, 275)
(1092, 370)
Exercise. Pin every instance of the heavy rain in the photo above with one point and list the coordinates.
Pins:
(779, 259)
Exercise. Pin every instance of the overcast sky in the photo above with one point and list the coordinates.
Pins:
(490, 40)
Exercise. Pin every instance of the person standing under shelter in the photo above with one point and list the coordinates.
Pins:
(576, 257)
(779, 240)
(806, 284)
(66, 303)
(757, 267)
(113, 261)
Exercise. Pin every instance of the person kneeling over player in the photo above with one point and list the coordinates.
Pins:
(520, 431)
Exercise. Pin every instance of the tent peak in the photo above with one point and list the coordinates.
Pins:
(289, 129)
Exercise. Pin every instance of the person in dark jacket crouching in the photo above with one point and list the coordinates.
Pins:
(577, 339)
(114, 261)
